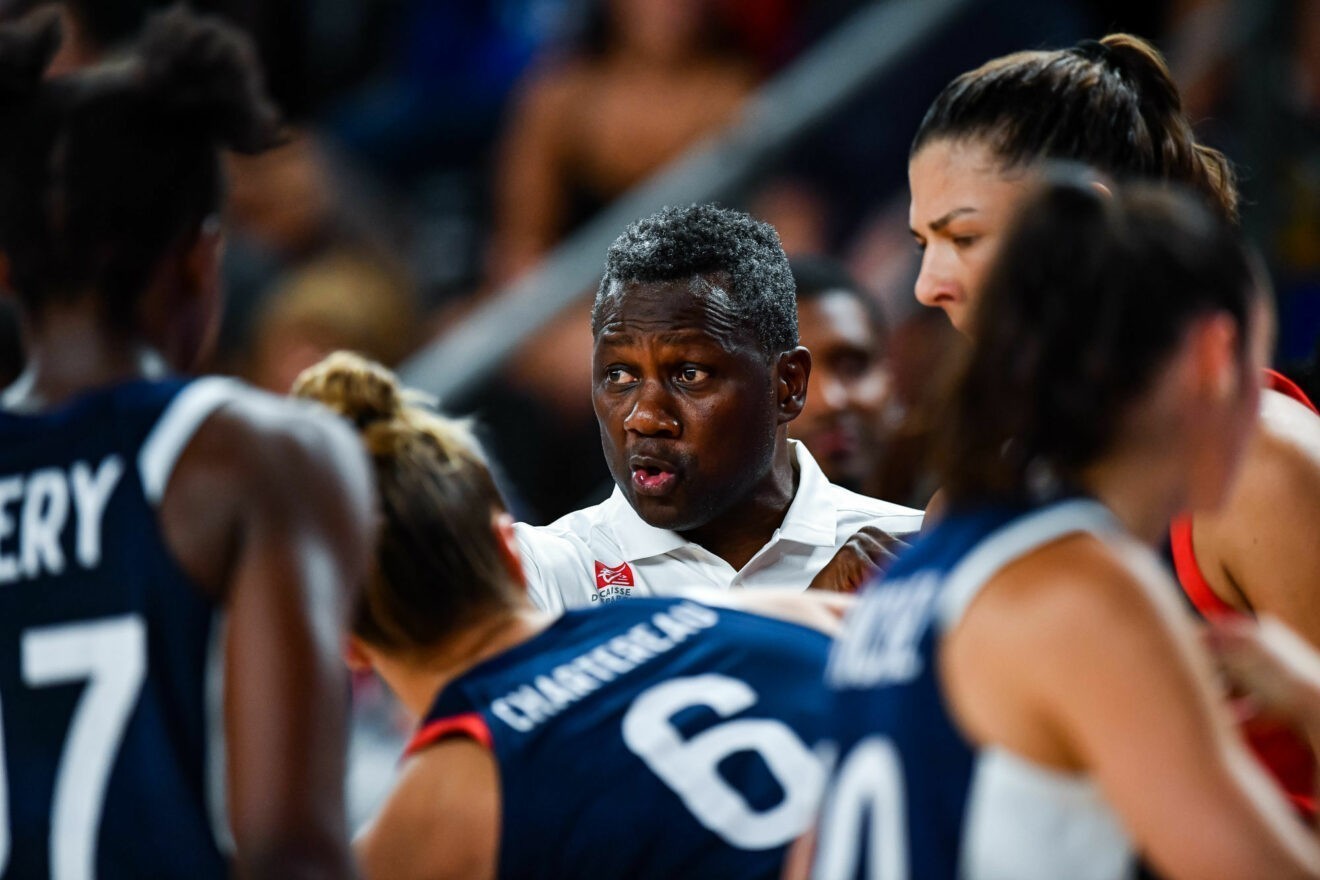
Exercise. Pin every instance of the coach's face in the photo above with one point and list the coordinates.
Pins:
(690, 407)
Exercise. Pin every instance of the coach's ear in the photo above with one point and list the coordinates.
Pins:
(792, 371)
(506, 542)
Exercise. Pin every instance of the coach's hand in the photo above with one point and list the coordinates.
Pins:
(866, 552)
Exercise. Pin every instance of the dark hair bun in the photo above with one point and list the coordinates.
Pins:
(206, 71)
(26, 49)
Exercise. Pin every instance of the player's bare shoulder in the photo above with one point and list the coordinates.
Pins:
(1274, 502)
(261, 461)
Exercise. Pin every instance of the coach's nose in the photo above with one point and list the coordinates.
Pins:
(652, 414)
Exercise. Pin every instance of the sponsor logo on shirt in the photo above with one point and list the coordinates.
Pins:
(613, 583)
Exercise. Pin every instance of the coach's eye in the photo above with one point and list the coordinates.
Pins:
(690, 375)
(619, 376)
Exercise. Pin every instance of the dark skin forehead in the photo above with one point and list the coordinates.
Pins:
(698, 310)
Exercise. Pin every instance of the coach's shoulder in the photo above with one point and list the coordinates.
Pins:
(854, 511)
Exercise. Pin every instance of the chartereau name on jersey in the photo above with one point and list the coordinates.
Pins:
(38, 510)
(546, 695)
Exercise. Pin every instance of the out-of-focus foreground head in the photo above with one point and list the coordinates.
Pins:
(110, 177)
(1091, 298)
(1110, 104)
(439, 562)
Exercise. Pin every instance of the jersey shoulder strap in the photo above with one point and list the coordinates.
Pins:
(176, 427)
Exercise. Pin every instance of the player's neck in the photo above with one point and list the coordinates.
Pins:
(1143, 495)
(417, 679)
(71, 351)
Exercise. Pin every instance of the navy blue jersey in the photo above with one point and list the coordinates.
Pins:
(654, 738)
(909, 795)
(105, 644)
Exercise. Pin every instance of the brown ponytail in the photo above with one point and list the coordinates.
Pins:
(1180, 157)
(1111, 104)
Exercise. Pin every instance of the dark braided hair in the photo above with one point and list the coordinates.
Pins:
(1084, 305)
(105, 170)
(1111, 104)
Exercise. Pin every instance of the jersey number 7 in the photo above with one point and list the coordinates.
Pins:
(111, 655)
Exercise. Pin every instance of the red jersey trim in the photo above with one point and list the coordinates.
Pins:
(1193, 582)
(1189, 572)
(1287, 758)
(1282, 384)
(469, 724)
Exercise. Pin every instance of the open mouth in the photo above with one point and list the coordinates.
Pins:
(653, 478)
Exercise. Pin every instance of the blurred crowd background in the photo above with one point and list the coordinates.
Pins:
(440, 149)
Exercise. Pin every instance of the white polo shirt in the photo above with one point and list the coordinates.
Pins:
(608, 552)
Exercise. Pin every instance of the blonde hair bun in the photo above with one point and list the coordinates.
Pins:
(356, 388)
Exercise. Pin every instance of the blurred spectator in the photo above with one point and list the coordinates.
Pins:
(443, 71)
(285, 199)
(91, 29)
(650, 78)
(340, 300)
(920, 347)
(842, 327)
(1250, 74)
(288, 208)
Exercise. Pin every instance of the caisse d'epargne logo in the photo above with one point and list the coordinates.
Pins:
(613, 582)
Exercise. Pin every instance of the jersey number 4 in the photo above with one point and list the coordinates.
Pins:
(111, 656)
(691, 766)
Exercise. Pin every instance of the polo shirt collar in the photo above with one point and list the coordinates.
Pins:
(811, 519)
(635, 537)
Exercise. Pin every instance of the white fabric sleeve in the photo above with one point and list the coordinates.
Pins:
(177, 426)
(538, 558)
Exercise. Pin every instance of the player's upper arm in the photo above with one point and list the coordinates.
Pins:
(1264, 541)
(1111, 670)
(301, 493)
(442, 820)
(819, 610)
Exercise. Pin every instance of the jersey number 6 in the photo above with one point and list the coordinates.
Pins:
(690, 766)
